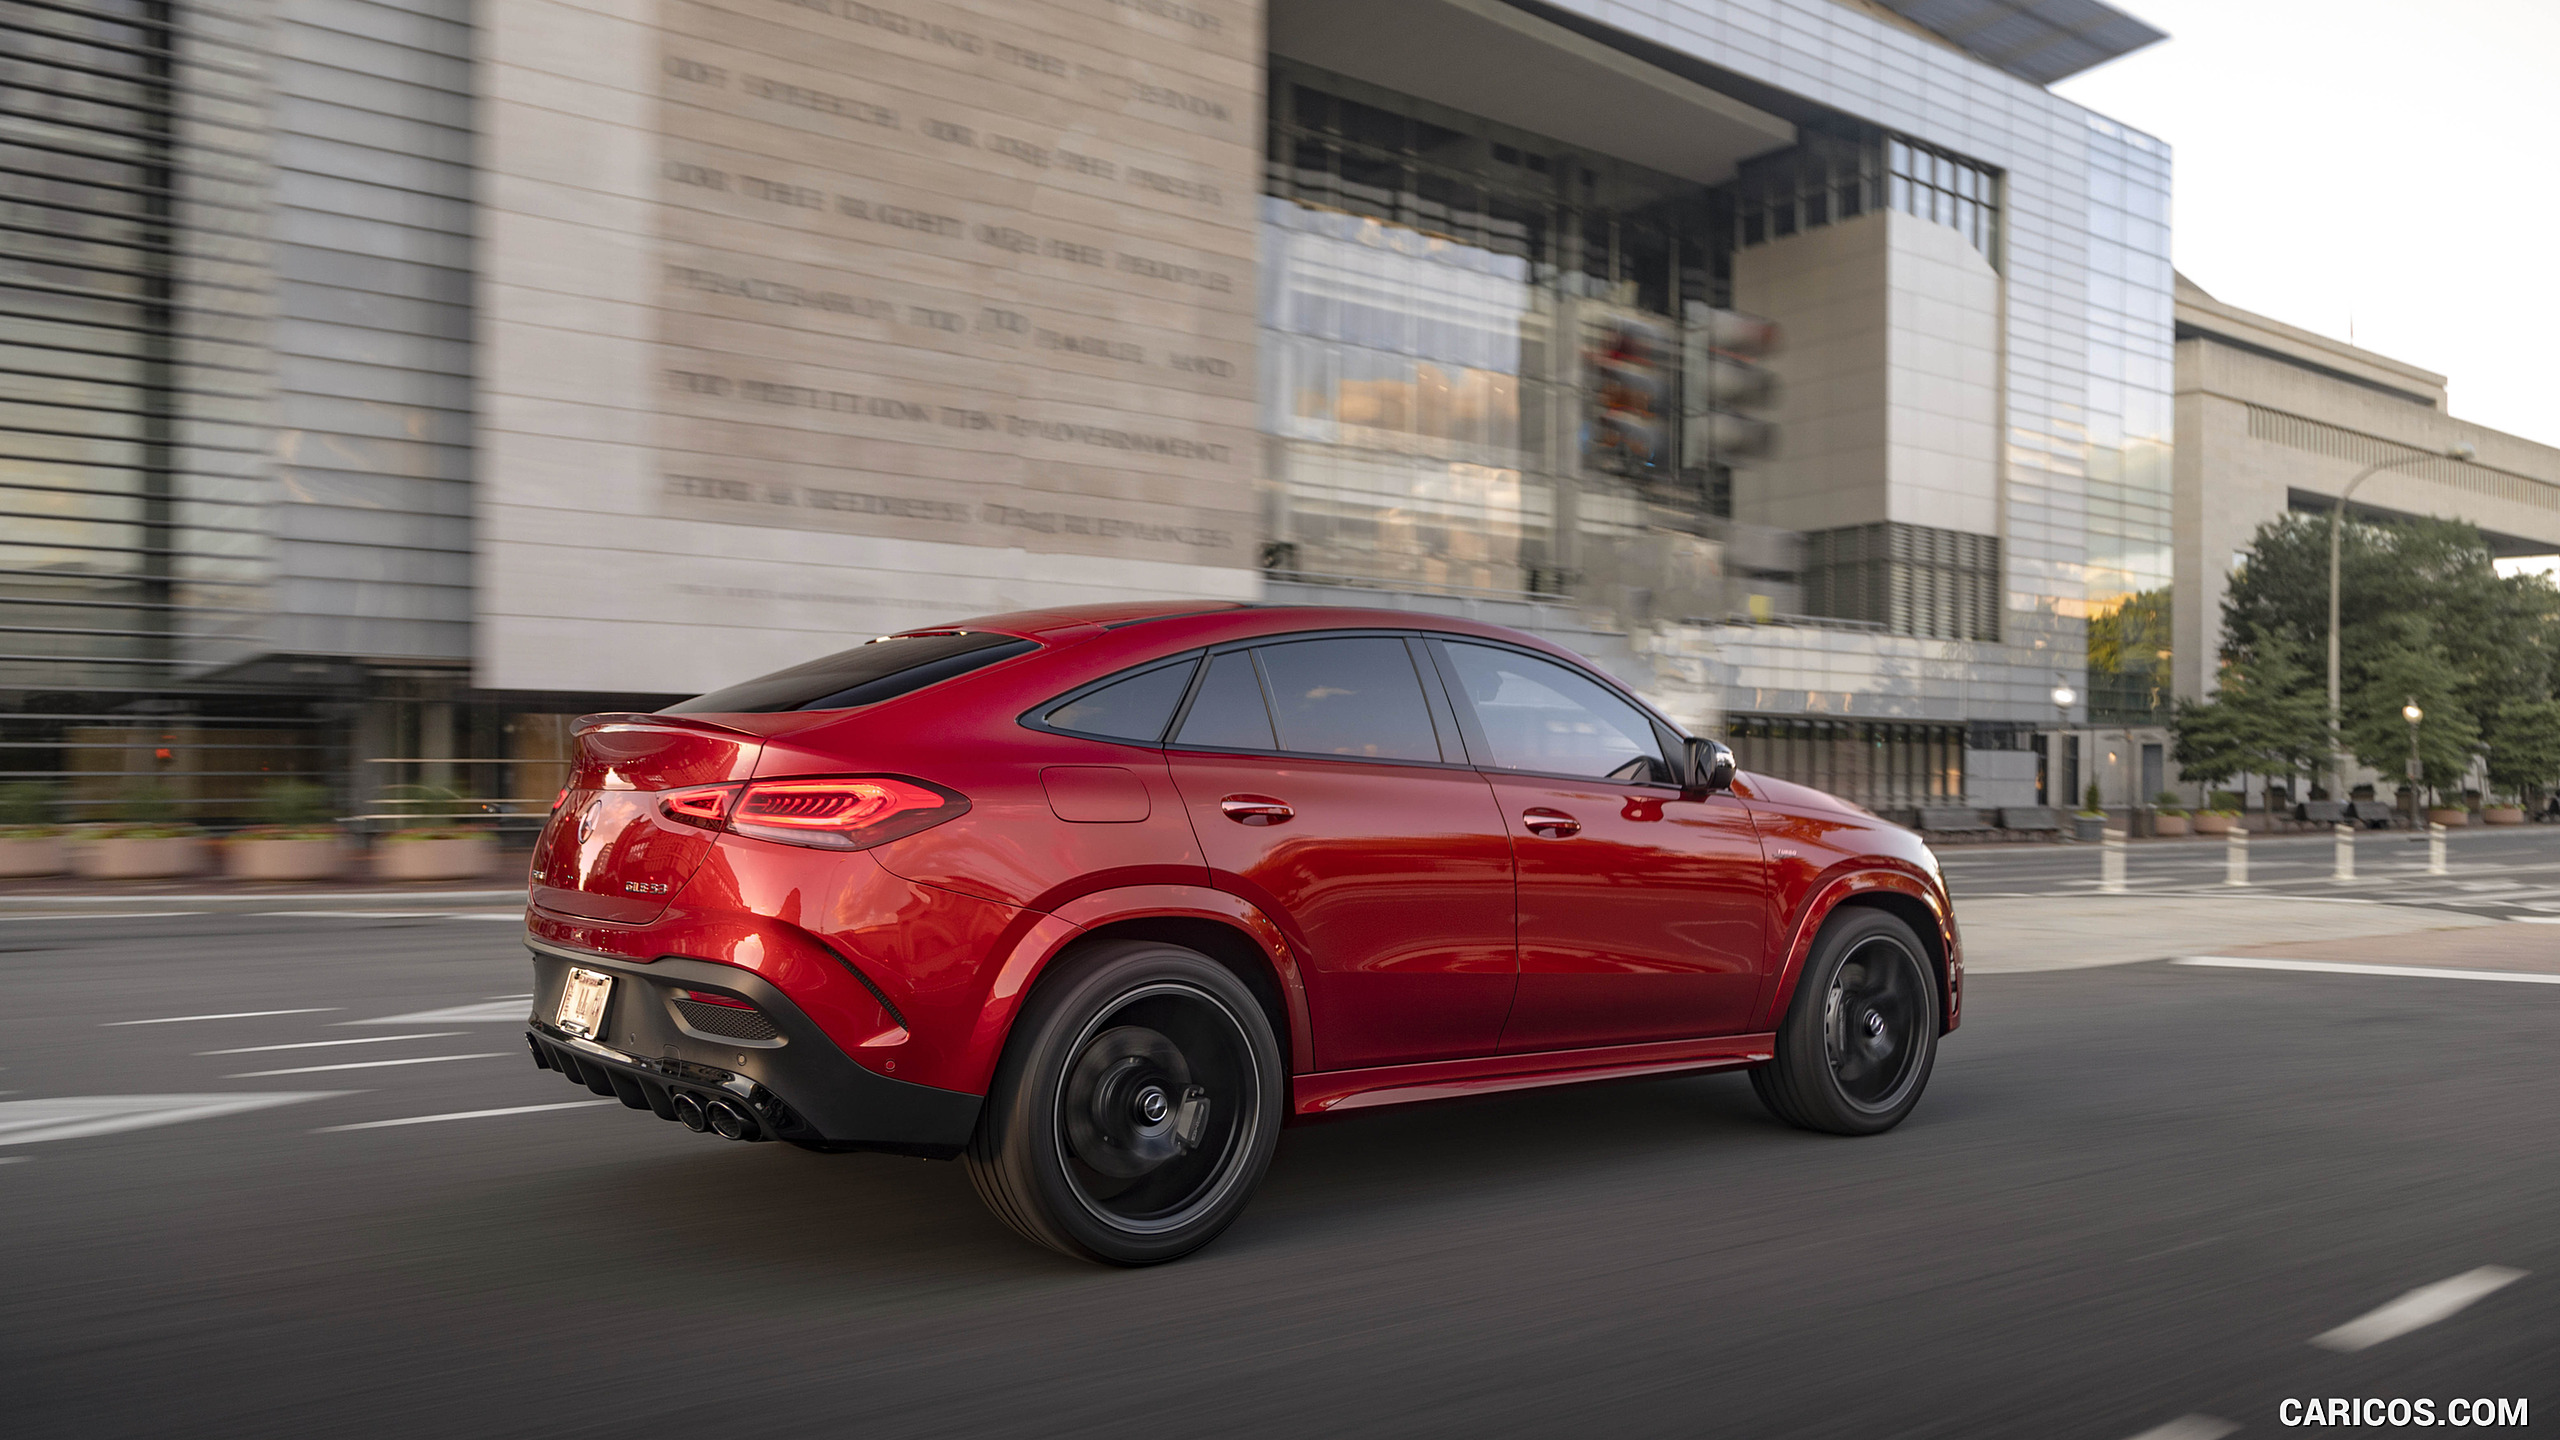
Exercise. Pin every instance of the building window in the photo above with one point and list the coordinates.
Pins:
(1909, 579)
(1881, 764)
(1836, 175)
(1472, 340)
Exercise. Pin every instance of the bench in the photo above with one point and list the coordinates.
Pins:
(1951, 819)
(2373, 814)
(2031, 818)
(2321, 812)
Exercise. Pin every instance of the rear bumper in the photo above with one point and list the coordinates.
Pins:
(798, 1085)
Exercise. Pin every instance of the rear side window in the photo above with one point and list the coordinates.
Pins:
(1228, 713)
(1553, 720)
(1137, 708)
(1351, 696)
(865, 675)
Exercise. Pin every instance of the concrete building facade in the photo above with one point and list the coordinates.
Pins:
(577, 355)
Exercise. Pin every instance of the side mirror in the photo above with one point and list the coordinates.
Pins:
(1710, 766)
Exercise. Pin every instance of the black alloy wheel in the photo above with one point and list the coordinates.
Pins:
(1861, 1032)
(1136, 1107)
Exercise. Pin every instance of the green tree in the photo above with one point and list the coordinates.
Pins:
(2400, 661)
(2524, 748)
(2268, 717)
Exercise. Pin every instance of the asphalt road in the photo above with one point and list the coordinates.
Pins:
(2132, 1196)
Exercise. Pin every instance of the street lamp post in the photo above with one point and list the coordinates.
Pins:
(2337, 527)
(2417, 771)
(2063, 697)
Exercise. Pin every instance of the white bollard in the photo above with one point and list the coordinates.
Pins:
(2235, 857)
(2346, 850)
(2110, 862)
(2435, 849)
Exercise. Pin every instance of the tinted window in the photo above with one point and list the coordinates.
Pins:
(1349, 697)
(864, 675)
(1137, 708)
(1550, 718)
(1228, 713)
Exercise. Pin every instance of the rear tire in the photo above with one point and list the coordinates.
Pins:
(1861, 1034)
(1136, 1107)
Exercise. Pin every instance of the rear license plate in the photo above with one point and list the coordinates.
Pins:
(582, 1000)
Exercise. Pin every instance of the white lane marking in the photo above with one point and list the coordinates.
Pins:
(2534, 919)
(71, 1117)
(510, 997)
(2421, 1307)
(364, 1065)
(229, 1015)
(463, 1115)
(13, 1159)
(2336, 967)
(511, 917)
(323, 1044)
(2190, 1427)
(503, 1012)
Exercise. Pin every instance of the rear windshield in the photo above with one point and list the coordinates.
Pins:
(866, 675)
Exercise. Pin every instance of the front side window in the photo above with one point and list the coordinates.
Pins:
(1551, 719)
(1349, 696)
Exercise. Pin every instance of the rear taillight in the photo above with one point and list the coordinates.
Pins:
(852, 812)
(707, 807)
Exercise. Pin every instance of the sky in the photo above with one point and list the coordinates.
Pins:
(2394, 166)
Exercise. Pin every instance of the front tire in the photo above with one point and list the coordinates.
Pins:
(1861, 1034)
(1136, 1107)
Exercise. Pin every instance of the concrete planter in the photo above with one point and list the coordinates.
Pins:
(465, 858)
(2088, 827)
(128, 858)
(258, 857)
(2503, 815)
(2449, 817)
(33, 855)
(2168, 825)
(2208, 823)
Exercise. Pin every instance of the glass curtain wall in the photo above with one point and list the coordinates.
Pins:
(1471, 339)
(2131, 363)
(1889, 765)
(133, 291)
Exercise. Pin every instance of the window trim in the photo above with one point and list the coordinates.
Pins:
(1470, 725)
(1424, 679)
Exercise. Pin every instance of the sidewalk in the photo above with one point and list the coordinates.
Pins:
(2072, 932)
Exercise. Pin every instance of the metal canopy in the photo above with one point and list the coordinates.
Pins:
(2038, 40)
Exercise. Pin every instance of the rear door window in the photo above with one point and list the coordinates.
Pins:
(1353, 695)
(865, 675)
(1228, 713)
(1136, 709)
(1551, 719)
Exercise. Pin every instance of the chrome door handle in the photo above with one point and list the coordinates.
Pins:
(1550, 824)
(1254, 810)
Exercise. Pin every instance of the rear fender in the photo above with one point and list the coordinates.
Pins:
(1825, 896)
(1042, 944)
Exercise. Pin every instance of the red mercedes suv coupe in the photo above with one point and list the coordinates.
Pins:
(1097, 899)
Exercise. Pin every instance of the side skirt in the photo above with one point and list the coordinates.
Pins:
(1330, 1091)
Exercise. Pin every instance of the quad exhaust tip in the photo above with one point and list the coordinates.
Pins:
(690, 1112)
(728, 1121)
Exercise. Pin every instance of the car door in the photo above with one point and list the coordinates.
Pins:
(1327, 787)
(1641, 910)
